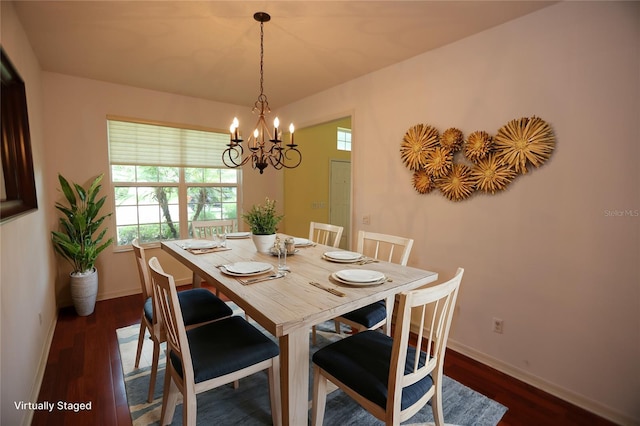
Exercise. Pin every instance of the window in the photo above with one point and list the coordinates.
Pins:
(165, 177)
(344, 139)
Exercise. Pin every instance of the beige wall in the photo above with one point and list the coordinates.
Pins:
(544, 256)
(27, 303)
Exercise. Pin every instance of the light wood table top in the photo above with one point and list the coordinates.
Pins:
(288, 307)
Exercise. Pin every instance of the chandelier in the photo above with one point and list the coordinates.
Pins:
(263, 147)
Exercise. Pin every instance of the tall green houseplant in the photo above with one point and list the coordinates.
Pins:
(81, 220)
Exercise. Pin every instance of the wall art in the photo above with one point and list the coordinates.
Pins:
(458, 167)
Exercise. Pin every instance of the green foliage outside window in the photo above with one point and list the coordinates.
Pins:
(151, 212)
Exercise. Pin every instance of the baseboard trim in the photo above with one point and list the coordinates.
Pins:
(116, 294)
(42, 366)
(555, 390)
(132, 291)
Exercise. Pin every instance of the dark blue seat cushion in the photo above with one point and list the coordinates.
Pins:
(197, 305)
(362, 361)
(225, 346)
(369, 315)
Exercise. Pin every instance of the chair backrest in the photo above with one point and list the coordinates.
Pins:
(435, 305)
(208, 228)
(166, 296)
(385, 247)
(143, 271)
(324, 233)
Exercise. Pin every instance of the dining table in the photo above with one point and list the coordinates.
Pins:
(310, 293)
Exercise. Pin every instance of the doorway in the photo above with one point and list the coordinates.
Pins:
(310, 188)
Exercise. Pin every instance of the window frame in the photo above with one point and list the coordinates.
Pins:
(182, 187)
(338, 140)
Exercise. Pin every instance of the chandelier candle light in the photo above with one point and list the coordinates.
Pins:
(262, 150)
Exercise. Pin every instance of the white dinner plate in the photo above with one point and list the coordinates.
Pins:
(359, 275)
(342, 256)
(302, 242)
(238, 235)
(200, 244)
(245, 269)
(357, 284)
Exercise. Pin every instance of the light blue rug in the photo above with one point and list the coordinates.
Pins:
(249, 404)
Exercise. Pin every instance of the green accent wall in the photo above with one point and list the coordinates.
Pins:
(306, 188)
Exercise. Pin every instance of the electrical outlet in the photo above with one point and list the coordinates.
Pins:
(366, 220)
(498, 325)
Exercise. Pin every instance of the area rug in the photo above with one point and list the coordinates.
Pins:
(249, 404)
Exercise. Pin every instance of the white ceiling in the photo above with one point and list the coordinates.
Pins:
(211, 49)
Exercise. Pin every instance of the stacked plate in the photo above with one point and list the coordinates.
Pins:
(342, 256)
(359, 277)
(246, 269)
(236, 235)
(302, 242)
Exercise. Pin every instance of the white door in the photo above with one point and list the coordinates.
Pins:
(340, 198)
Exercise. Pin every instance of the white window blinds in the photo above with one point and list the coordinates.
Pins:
(142, 144)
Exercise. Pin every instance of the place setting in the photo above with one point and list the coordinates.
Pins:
(303, 242)
(238, 235)
(251, 272)
(205, 246)
(343, 256)
(359, 277)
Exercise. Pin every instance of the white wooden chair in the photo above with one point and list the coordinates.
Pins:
(324, 233)
(209, 356)
(329, 235)
(200, 306)
(385, 247)
(206, 229)
(389, 248)
(376, 370)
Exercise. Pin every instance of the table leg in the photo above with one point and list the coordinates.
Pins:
(389, 304)
(196, 281)
(294, 377)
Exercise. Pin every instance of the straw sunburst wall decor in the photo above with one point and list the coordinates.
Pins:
(489, 175)
(416, 144)
(524, 141)
(459, 167)
(422, 182)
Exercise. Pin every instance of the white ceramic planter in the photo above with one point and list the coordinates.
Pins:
(84, 290)
(263, 243)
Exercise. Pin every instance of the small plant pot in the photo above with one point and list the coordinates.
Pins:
(84, 290)
(263, 243)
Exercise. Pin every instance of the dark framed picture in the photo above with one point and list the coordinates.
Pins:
(18, 188)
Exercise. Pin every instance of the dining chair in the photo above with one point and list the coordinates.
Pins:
(324, 233)
(388, 376)
(208, 356)
(199, 306)
(329, 235)
(389, 248)
(206, 229)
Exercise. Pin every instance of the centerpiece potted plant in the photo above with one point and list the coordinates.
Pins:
(77, 243)
(263, 221)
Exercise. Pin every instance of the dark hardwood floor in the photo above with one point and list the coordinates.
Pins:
(84, 366)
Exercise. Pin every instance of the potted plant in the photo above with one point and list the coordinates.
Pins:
(77, 243)
(263, 221)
